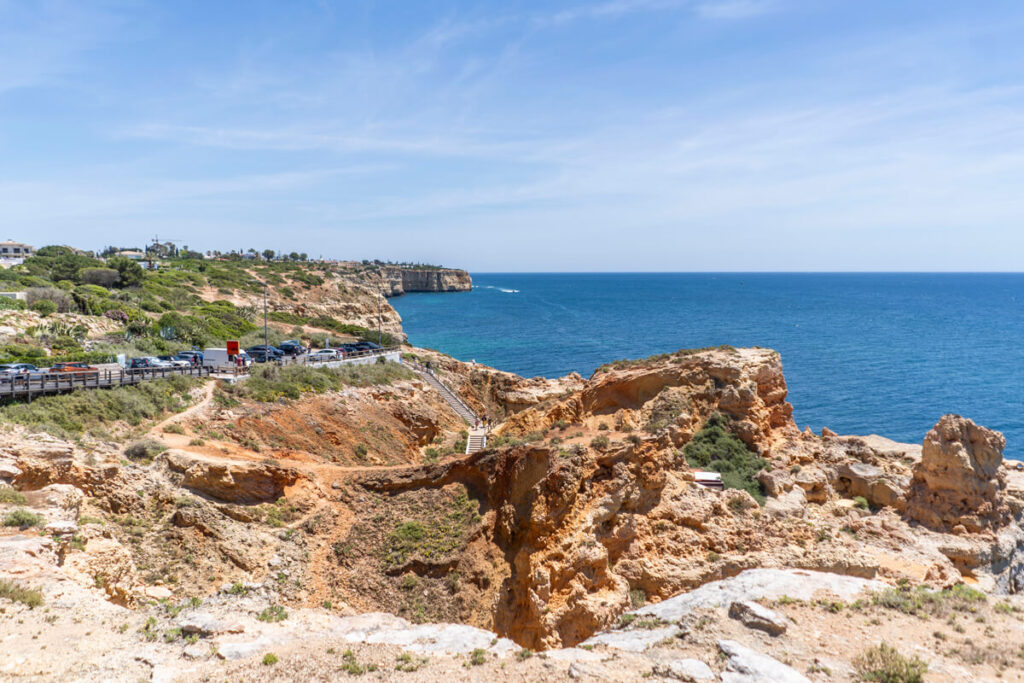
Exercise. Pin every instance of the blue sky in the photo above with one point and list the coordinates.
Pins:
(668, 135)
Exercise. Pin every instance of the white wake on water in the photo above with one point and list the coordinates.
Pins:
(500, 289)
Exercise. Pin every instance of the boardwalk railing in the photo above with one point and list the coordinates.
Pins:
(466, 412)
(357, 354)
(28, 385)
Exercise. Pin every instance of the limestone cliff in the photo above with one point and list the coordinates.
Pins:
(398, 281)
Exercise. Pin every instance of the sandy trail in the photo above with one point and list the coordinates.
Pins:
(226, 451)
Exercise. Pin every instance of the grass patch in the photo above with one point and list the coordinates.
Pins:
(273, 613)
(407, 663)
(717, 449)
(921, 601)
(9, 495)
(93, 412)
(884, 664)
(16, 593)
(270, 382)
(432, 538)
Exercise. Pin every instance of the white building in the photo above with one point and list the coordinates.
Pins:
(14, 253)
(133, 254)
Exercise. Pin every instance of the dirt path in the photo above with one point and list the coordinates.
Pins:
(181, 440)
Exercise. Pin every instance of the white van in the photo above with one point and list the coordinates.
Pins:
(221, 359)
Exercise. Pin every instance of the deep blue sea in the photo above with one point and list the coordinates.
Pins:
(862, 353)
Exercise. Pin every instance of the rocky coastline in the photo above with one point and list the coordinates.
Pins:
(580, 532)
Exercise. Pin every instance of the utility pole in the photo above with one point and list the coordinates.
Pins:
(379, 334)
(265, 342)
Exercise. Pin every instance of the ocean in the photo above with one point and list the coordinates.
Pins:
(862, 353)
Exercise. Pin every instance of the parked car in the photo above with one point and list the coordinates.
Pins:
(17, 372)
(271, 351)
(193, 357)
(367, 346)
(321, 355)
(292, 347)
(262, 356)
(17, 368)
(144, 363)
(73, 367)
(175, 362)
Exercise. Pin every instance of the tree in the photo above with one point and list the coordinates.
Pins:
(104, 277)
(268, 254)
(131, 272)
(294, 256)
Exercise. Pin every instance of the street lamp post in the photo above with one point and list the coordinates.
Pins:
(380, 336)
(265, 335)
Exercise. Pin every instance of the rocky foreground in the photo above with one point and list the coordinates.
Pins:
(345, 534)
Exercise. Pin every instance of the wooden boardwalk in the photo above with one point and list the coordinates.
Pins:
(29, 386)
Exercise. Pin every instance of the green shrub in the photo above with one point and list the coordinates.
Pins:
(9, 304)
(884, 664)
(15, 593)
(270, 659)
(717, 449)
(861, 503)
(600, 442)
(273, 613)
(144, 451)
(22, 518)
(44, 307)
(478, 657)
(9, 495)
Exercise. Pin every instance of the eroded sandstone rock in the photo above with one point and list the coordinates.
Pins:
(959, 480)
(230, 480)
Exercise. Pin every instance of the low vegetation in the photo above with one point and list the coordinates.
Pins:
(434, 537)
(98, 412)
(884, 664)
(273, 613)
(921, 601)
(717, 449)
(269, 383)
(16, 593)
(144, 451)
(677, 356)
(22, 519)
(9, 495)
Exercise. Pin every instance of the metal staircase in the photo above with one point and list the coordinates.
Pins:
(477, 435)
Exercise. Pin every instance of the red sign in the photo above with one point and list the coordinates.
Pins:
(232, 348)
